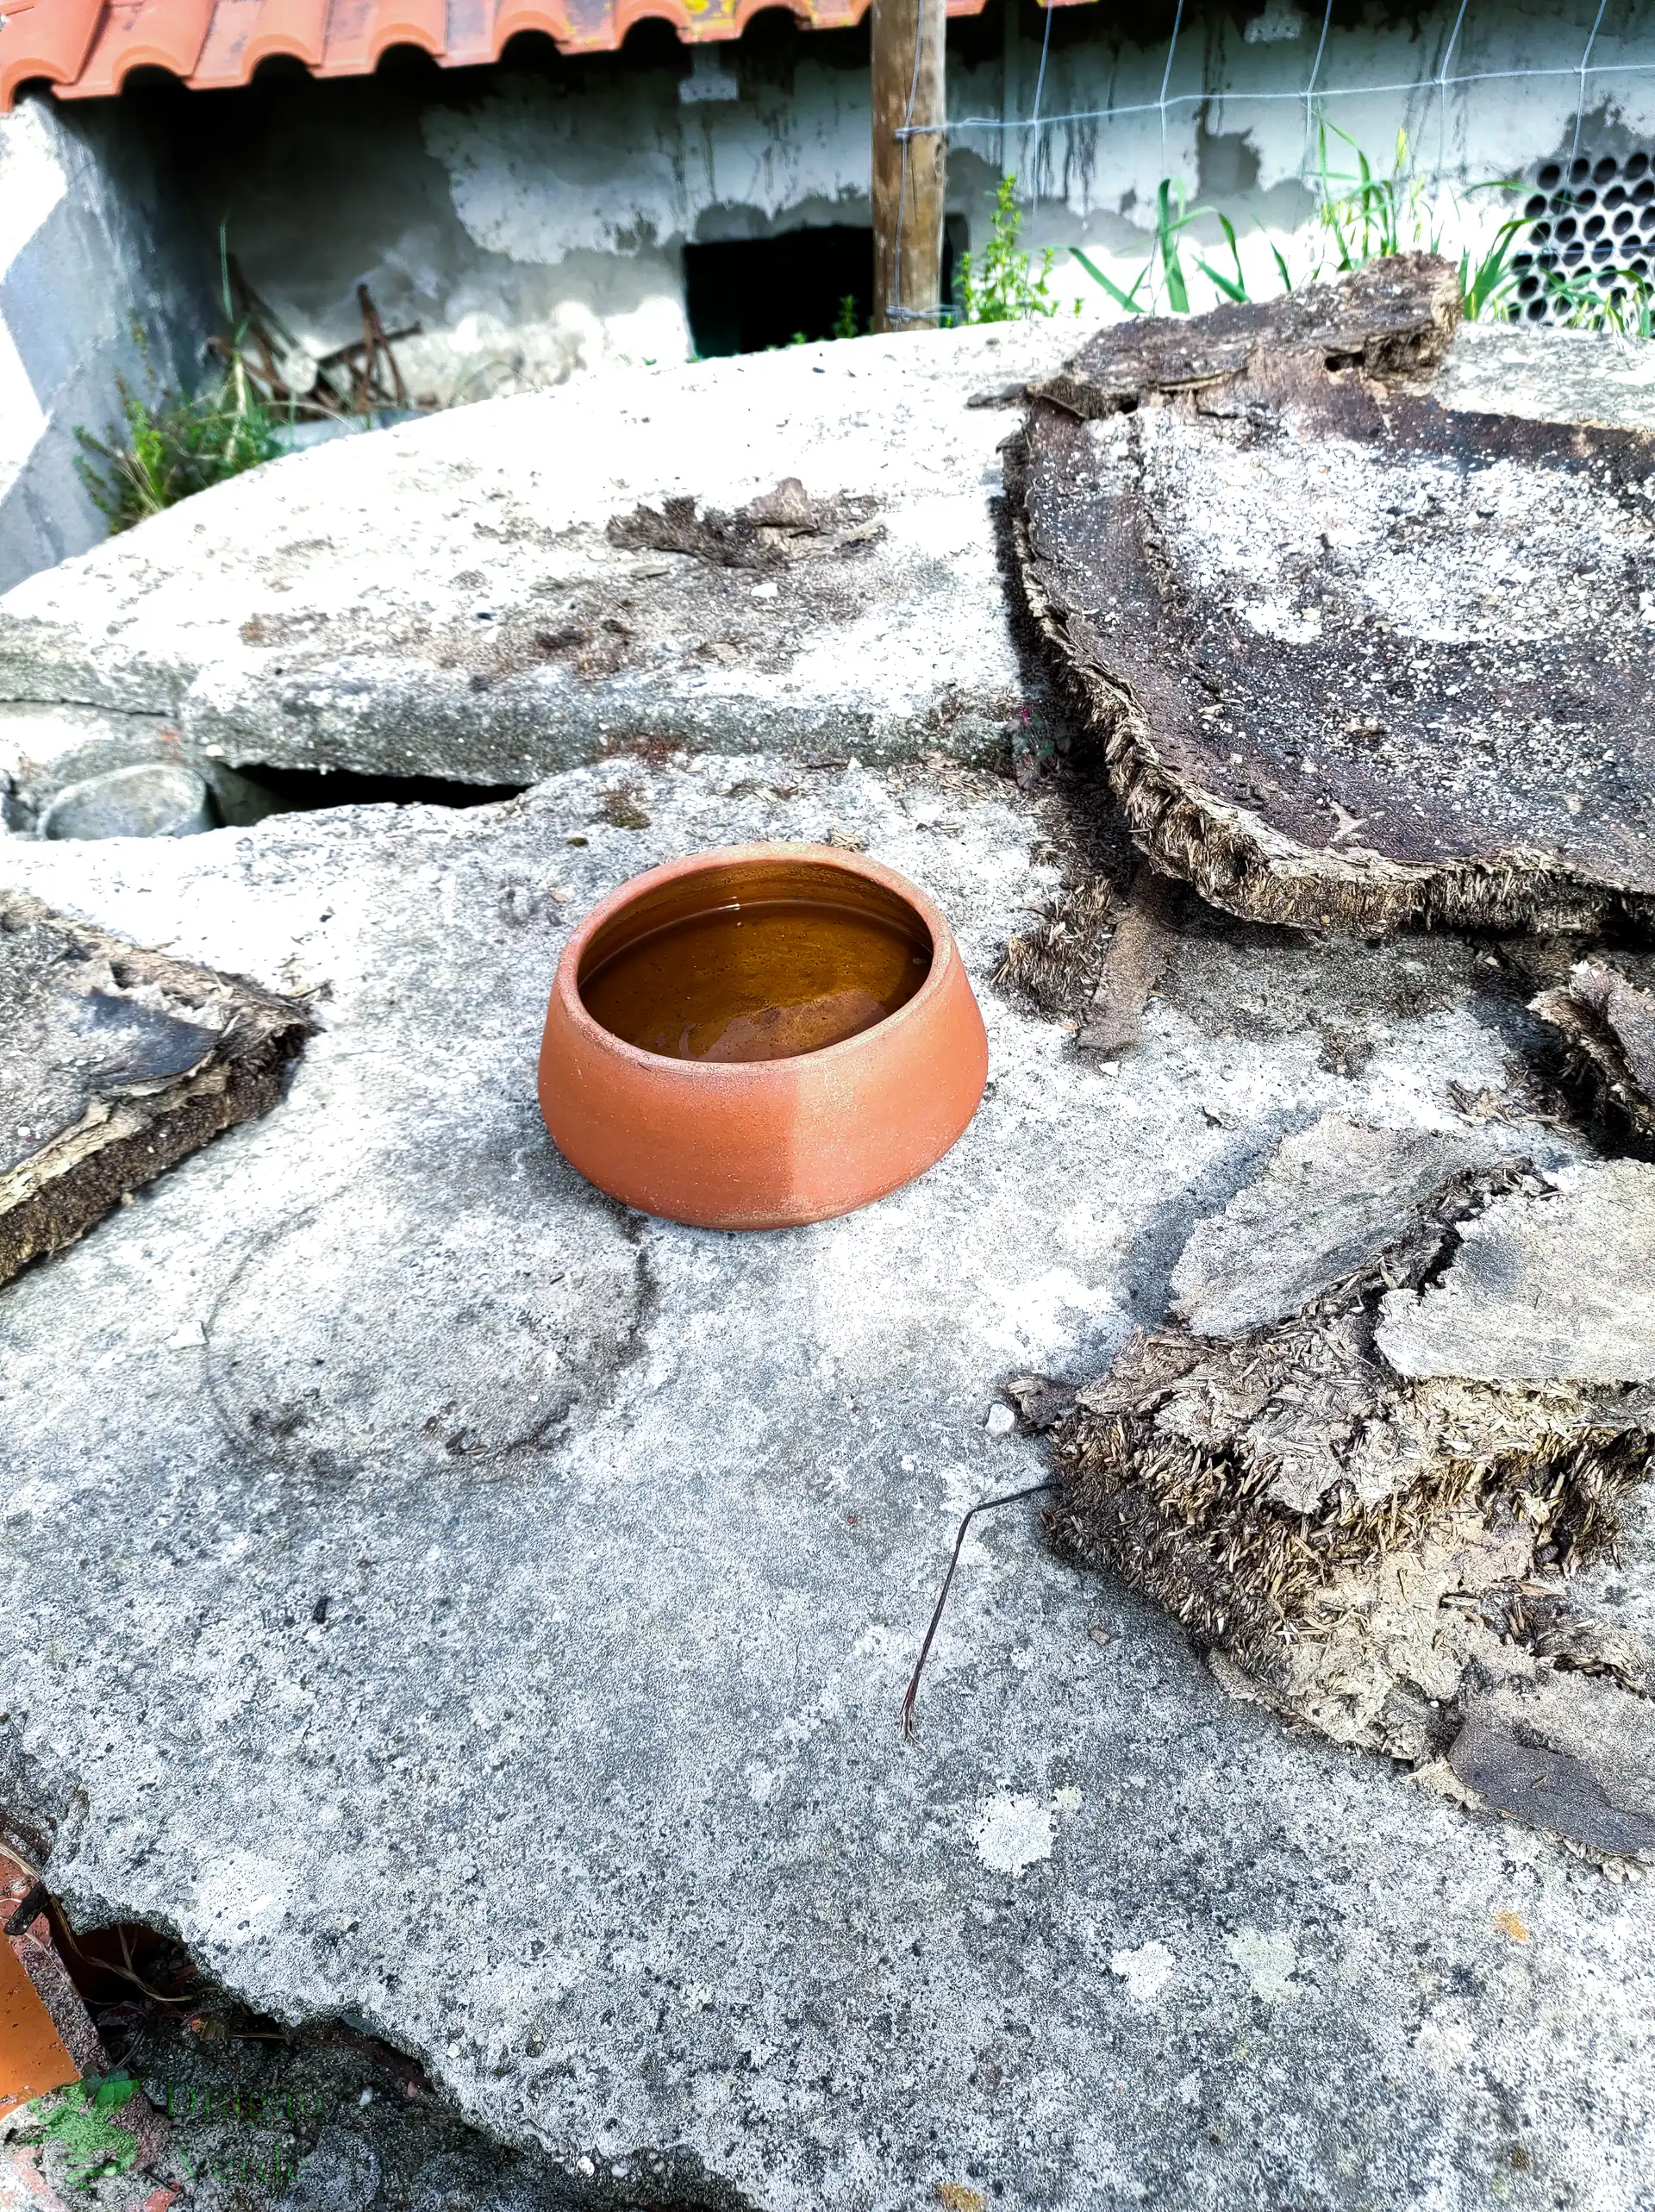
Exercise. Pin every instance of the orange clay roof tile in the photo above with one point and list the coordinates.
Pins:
(47, 39)
(84, 49)
(298, 27)
(143, 33)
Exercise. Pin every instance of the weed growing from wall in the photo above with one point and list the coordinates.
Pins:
(165, 446)
(1005, 285)
(1362, 214)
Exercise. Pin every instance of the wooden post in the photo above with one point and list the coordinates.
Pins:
(908, 195)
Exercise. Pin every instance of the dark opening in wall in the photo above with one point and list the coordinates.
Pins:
(745, 294)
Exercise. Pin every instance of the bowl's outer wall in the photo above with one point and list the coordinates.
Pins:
(765, 1144)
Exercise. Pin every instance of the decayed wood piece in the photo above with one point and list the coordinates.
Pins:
(1352, 657)
(1133, 965)
(1610, 1026)
(118, 1062)
(1364, 1538)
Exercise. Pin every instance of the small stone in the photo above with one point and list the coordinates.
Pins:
(153, 799)
(1001, 1421)
(188, 1337)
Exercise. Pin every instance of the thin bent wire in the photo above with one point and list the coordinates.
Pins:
(1580, 104)
(1442, 94)
(1034, 143)
(894, 309)
(1310, 88)
(1166, 77)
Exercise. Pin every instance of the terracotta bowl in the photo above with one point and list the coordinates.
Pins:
(754, 1143)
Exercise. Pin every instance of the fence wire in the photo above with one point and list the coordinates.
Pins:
(1315, 96)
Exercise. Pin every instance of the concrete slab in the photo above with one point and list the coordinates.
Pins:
(495, 1545)
(444, 598)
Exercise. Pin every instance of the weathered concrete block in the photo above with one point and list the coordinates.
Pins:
(587, 1787)
(447, 598)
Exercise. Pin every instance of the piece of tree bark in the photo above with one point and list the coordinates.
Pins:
(1351, 658)
(1376, 1544)
(119, 1061)
(1610, 1026)
(1133, 964)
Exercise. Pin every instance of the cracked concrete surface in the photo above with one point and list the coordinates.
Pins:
(444, 598)
(585, 1784)
(452, 602)
(586, 1788)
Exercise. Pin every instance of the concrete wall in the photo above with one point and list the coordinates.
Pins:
(95, 234)
(531, 216)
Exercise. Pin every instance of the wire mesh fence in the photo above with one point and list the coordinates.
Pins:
(1566, 233)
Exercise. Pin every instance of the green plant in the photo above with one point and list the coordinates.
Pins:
(1576, 301)
(845, 321)
(1485, 283)
(1173, 219)
(1360, 215)
(166, 446)
(1004, 286)
(1376, 215)
(171, 446)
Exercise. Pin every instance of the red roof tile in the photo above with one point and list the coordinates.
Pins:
(45, 38)
(84, 49)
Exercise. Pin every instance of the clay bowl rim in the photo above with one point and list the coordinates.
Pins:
(566, 983)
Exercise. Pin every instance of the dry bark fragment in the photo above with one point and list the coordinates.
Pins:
(1352, 657)
(1378, 1553)
(118, 1063)
(1610, 1026)
(1133, 966)
(779, 525)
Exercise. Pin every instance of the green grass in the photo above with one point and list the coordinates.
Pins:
(1363, 213)
(166, 446)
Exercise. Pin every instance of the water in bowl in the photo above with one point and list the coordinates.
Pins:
(761, 981)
